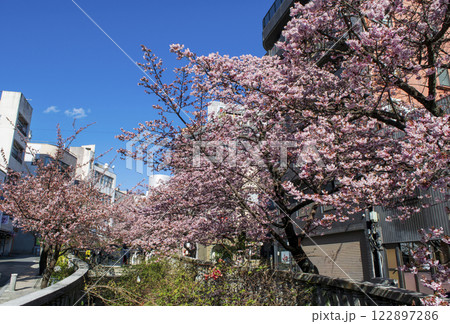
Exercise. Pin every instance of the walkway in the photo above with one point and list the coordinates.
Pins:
(27, 268)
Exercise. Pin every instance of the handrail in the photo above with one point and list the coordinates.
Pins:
(337, 291)
(341, 292)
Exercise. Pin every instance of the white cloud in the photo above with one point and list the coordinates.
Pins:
(76, 113)
(51, 109)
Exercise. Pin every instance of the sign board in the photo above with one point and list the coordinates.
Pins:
(285, 257)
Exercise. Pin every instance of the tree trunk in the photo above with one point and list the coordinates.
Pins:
(51, 263)
(296, 250)
(303, 261)
(43, 258)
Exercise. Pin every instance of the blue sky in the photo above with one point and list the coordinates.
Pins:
(67, 67)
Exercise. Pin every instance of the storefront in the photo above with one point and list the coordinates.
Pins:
(400, 254)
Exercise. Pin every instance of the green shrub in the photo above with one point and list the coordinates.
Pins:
(169, 283)
(63, 269)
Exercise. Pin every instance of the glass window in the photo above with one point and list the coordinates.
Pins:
(103, 180)
(22, 125)
(444, 79)
(273, 9)
(106, 181)
(17, 152)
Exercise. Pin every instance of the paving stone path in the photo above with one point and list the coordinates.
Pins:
(27, 268)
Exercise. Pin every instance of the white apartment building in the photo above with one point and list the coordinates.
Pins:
(85, 160)
(89, 170)
(218, 108)
(157, 179)
(47, 153)
(105, 179)
(15, 120)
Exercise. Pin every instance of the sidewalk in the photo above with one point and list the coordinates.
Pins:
(27, 268)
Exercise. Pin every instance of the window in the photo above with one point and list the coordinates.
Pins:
(17, 152)
(22, 125)
(327, 208)
(103, 180)
(444, 79)
(48, 160)
(273, 9)
(64, 166)
(107, 181)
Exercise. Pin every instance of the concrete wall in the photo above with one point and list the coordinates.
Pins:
(85, 159)
(23, 243)
(219, 108)
(67, 292)
(13, 105)
(215, 107)
(157, 179)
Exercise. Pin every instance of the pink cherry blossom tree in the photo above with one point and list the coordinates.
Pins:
(348, 116)
(64, 212)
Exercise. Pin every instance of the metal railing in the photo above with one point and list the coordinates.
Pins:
(326, 291)
(318, 290)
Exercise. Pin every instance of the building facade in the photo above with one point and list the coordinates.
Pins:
(89, 170)
(85, 160)
(105, 179)
(274, 22)
(47, 153)
(15, 120)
